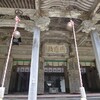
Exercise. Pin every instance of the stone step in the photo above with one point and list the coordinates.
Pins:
(41, 97)
(54, 97)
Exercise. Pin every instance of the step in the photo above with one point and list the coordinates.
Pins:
(53, 97)
(42, 96)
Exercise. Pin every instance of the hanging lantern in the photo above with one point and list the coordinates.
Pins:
(17, 34)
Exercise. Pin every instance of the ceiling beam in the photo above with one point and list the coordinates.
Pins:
(37, 6)
(94, 14)
(11, 23)
(95, 10)
(66, 14)
(11, 11)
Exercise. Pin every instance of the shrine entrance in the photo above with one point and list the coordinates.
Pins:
(90, 76)
(19, 81)
(54, 83)
(55, 79)
(90, 79)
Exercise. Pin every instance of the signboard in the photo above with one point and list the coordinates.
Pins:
(55, 49)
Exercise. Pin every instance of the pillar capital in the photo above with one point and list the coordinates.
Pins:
(43, 23)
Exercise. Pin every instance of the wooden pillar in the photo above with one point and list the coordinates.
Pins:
(74, 82)
(41, 77)
(2, 63)
(34, 65)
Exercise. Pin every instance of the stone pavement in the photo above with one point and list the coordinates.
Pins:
(93, 96)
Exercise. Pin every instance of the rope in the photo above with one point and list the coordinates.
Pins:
(77, 55)
(9, 51)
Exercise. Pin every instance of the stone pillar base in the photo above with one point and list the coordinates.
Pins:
(2, 90)
(83, 94)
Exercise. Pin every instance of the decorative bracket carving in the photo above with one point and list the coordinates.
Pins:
(43, 23)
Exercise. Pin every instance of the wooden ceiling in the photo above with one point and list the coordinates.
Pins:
(28, 4)
(84, 5)
(55, 8)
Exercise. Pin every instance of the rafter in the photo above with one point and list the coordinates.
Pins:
(37, 6)
(96, 8)
(94, 14)
(82, 40)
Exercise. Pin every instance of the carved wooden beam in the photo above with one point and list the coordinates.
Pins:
(11, 23)
(61, 13)
(84, 5)
(60, 8)
(37, 5)
(42, 23)
(11, 11)
(96, 8)
(96, 16)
